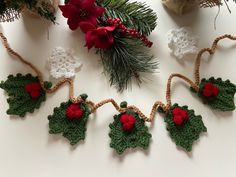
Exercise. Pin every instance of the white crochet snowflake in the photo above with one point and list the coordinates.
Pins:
(182, 42)
(62, 63)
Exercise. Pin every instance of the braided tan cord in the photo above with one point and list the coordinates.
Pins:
(168, 89)
(39, 74)
(211, 51)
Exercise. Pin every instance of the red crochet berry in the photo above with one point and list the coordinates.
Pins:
(74, 112)
(210, 90)
(127, 122)
(34, 89)
(179, 116)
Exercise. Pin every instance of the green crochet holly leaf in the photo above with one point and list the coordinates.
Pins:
(184, 135)
(121, 140)
(73, 130)
(224, 101)
(20, 102)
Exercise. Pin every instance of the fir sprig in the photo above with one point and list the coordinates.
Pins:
(126, 59)
(133, 14)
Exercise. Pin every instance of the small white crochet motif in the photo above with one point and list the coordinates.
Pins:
(62, 63)
(182, 42)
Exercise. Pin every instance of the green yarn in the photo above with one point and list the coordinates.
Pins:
(19, 100)
(184, 135)
(225, 100)
(73, 130)
(120, 140)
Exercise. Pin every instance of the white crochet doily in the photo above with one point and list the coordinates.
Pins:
(62, 63)
(182, 42)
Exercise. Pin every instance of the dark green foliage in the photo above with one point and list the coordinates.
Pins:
(120, 140)
(184, 135)
(225, 100)
(133, 14)
(43, 8)
(73, 130)
(126, 59)
(19, 100)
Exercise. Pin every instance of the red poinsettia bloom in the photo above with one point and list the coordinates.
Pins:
(81, 10)
(100, 37)
(127, 122)
(210, 90)
(74, 112)
(179, 116)
(34, 89)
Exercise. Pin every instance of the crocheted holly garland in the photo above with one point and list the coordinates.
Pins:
(218, 94)
(184, 126)
(70, 119)
(128, 131)
(25, 93)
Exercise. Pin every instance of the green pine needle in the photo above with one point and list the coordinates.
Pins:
(133, 14)
(126, 59)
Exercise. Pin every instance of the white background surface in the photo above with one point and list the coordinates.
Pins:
(28, 150)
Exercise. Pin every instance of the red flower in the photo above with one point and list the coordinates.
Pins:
(100, 37)
(81, 10)
(74, 112)
(34, 89)
(210, 90)
(127, 122)
(179, 116)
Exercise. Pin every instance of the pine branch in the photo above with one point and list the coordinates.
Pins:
(133, 14)
(126, 60)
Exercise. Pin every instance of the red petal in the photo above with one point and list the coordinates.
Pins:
(86, 26)
(90, 38)
(68, 10)
(110, 28)
(97, 11)
(86, 3)
(73, 23)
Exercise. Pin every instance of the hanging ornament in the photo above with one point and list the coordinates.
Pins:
(128, 131)
(218, 94)
(70, 119)
(25, 93)
(62, 63)
(184, 126)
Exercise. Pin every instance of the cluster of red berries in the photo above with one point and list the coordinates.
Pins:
(210, 90)
(127, 122)
(132, 32)
(34, 89)
(74, 111)
(179, 116)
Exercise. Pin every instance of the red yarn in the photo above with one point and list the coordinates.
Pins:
(74, 112)
(34, 89)
(179, 116)
(210, 90)
(128, 122)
